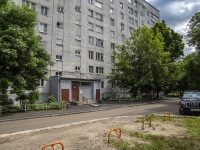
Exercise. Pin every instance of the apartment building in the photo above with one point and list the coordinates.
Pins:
(80, 36)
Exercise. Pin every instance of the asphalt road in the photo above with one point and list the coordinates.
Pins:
(37, 123)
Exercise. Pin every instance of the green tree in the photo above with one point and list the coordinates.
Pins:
(141, 63)
(23, 60)
(173, 41)
(194, 31)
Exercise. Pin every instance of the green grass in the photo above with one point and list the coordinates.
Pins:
(188, 141)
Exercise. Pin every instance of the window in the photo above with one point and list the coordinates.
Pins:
(130, 10)
(102, 84)
(91, 40)
(122, 37)
(91, 69)
(136, 22)
(41, 82)
(60, 9)
(113, 71)
(99, 42)
(91, 54)
(99, 70)
(122, 26)
(98, 4)
(130, 1)
(142, 13)
(142, 22)
(121, 5)
(147, 13)
(44, 10)
(131, 30)
(29, 4)
(77, 22)
(58, 57)
(59, 73)
(77, 52)
(60, 24)
(113, 85)
(136, 14)
(78, 8)
(77, 68)
(59, 42)
(113, 46)
(111, 1)
(111, 10)
(43, 27)
(99, 29)
(112, 59)
(122, 16)
(90, 2)
(112, 22)
(135, 3)
(99, 56)
(131, 20)
(78, 37)
(90, 13)
(99, 16)
(90, 26)
(112, 34)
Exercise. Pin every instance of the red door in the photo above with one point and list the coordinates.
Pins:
(97, 94)
(75, 91)
(65, 94)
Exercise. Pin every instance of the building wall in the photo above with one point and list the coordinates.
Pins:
(76, 23)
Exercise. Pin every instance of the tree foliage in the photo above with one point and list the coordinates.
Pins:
(194, 31)
(23, 60)
(173, 40)
(141, 62)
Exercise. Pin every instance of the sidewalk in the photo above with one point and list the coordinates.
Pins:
(74, 110)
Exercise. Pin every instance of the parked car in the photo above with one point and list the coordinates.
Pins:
(190, 103)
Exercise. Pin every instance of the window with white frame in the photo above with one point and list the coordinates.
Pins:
(91, 54)
(29, 4)
(112, 59)
(77, 22)
(130, 10)
(122, 37)
(112, 34)
(111, 10)
(112, 22)
(99, 42)
(98, 4)
(136, 13)
(78, 8)
(43, 27)
(113, 85)
(59, 41)
(91, 40)
(99, 70)
(58, 57)
(91, 69)
(99, 16)
(121, 5)
(90, 26)
(122, 26)
(60, 9)
(122, 16)
(44, 10)
(102, 84)
(90, 13)
(59, 73)
(78, 37)
(41, 82)
(131, 30)
(90, 2)
(131, 20)
(99, 29)
(112, 46)
(60, 24)
(77, 68)
(99, 56)
(77, 52)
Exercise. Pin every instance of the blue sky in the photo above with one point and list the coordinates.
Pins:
(177, 14)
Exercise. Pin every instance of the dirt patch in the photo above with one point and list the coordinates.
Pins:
(87, 135)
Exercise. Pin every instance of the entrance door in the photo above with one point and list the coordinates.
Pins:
(65, 94)
(97, 94)
(75, 91)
